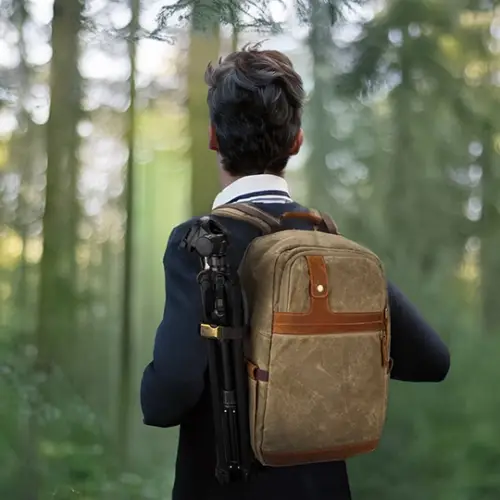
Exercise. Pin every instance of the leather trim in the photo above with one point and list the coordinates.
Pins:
(310, 216)
(318, 275)
(320, 319)
(334, 454)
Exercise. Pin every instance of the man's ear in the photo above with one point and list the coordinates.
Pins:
(212, 139)
(297, 143)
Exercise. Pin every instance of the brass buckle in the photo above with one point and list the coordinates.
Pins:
(209, 331)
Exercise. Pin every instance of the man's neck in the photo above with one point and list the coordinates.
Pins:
(228, 179)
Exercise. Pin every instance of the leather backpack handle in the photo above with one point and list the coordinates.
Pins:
(320, 221)
(309, 216)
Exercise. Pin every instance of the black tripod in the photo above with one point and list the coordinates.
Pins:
(224, 325)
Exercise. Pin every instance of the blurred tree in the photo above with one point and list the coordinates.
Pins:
(479, 24)
(22, 152)
(57, 292)
(320, 120)
(489, 225)
(203, 48)
(126, 331)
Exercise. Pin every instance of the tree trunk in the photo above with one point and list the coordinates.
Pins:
(490, 233)
(319, 120)
(23, 145)
(402, 186)
(126, 331)
(57, 280)
(204, 47)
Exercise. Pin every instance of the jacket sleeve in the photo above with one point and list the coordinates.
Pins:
(418, 353)
(174, 380)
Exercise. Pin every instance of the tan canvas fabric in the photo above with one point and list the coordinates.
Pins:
(318, 346)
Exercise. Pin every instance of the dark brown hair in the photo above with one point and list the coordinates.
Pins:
(255, 100)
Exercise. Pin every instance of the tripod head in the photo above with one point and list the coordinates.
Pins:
(209, 239)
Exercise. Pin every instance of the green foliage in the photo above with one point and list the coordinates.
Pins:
(244, 14)
(52, 444)
(440, 441)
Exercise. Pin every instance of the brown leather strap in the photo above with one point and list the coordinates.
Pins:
(311, 216)
(320, 220)
(253, 215)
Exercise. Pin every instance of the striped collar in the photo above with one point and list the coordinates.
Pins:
(262, 188)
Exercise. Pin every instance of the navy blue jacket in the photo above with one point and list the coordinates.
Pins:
(175, 389)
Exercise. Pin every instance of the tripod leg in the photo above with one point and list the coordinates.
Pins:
(241, 389)
(229, 401)
(222, 467)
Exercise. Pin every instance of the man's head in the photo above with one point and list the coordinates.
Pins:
(255, 101)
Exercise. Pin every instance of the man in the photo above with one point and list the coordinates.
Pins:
(255, 99)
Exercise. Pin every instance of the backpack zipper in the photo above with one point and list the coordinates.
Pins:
(383, 339)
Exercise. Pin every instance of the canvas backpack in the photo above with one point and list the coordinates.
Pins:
(318, 346)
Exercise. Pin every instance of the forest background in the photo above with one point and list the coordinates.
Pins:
(103, 150)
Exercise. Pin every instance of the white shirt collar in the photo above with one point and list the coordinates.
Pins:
(262, 188)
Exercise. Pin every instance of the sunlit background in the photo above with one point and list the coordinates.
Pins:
(103, 150)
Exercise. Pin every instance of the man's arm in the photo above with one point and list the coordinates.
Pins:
(418, 353)
(173, 382)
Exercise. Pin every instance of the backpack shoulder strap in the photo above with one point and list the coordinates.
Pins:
(248, 213)
(329, 223)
